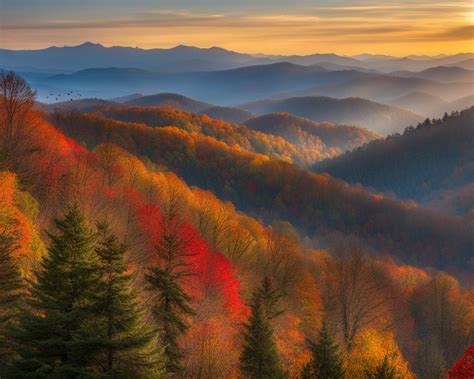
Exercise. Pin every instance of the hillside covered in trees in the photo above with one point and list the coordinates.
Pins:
(433, 156)
(147, 242)
(318, 205)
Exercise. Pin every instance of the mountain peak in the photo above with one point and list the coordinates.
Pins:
(88, 45)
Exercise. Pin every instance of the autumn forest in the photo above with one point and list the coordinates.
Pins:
(202, 213)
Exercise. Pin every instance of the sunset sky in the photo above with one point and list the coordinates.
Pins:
(268, 26)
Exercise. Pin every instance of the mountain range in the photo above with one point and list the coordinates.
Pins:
(186, 58)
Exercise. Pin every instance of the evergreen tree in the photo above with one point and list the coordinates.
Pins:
(270, 298)
(385, 370)
(11, 289)
(259, 358)
(326, 361)
(54, 337)
(171, 303)
(128, 348)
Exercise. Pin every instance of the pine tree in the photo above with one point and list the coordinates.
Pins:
(11, 289)
(128, 348)
(54, 338)
(385, 370)
(270, 298)
(259, 358)
(326, 361)
(171, 303)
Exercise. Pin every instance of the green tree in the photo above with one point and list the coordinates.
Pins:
(259, 358)
(11, 289)
(53, 336)
(128, 349)
(326, 361)
(270, 298)
(385, 370)
(171, 303)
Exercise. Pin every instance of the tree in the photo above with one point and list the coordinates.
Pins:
(464, 367)
(326, 361)
(270, 298)
(259, 358)
(358, 296)
(11, 288)
(16, 101)
(443, 321)
(384, 370)
(128, 348)
(54, 337)
(171, 302)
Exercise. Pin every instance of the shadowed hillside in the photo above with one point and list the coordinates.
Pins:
(428, 158)
(380, 118)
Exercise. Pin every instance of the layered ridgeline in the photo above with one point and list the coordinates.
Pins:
(325, 141)
(320, 206)
(300, 130)
(230, 114)
(431, 157)
(171, 100)
(188, 58)
(380, 118)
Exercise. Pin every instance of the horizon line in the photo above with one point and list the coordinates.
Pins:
(234, 51)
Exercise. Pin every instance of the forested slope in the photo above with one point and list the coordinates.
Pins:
(316, 204)
(430, 157)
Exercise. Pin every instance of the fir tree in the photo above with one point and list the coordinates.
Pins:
(128, 348)
(326, 361)
(54, 338)
(385, 370)
(171, 303)
(270, 298)
(11, 289)
(259, 358)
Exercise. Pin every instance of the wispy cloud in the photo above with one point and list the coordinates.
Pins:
(349, 27)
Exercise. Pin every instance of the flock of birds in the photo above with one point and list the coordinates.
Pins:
(58, 95)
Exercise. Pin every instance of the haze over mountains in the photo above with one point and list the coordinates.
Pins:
(227, 78)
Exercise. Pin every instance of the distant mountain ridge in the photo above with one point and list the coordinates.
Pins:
(380, 118)
(187, 58)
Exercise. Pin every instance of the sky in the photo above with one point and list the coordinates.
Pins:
(346, 27)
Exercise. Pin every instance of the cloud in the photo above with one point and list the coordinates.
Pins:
(346, 26)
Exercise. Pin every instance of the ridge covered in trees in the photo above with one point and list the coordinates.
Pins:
(125, 270)
(319, 205)
(435, 155)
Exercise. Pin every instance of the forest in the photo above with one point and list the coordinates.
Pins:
(150, 242)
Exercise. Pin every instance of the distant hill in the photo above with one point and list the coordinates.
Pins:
(380, 118)
(459, 104)
(171, 100)
(299, 130)
(425, 159)
(124, 99)
(185, 103)
(223, 87)
(230, 114)
(468, 64)
(385, 87)
(440, 73)
(417, 63)
(429, 105)
(420, 102)
(84, 105)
